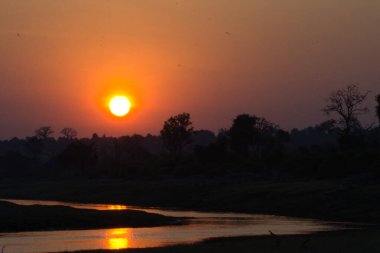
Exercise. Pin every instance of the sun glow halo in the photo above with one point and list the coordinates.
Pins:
(119, 106)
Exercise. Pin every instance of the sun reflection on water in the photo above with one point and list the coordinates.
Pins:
(116, 207)
(117, 243)
(117, 238)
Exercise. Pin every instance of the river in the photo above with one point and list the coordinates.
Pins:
(202, 225)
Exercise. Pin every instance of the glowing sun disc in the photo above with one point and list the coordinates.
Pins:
(119, 106)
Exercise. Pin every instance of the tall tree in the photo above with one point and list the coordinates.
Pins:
(242, 133)
(44, 132)
(69, 133)
(347, 103)
(378, 108)
(250, 132)
(177, 132)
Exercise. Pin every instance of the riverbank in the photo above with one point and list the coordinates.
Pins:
(17, 218)
(348, 241)
(344, 200)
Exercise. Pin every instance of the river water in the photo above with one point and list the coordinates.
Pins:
(202, 225)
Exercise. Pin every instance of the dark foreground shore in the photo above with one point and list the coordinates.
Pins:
(345, 200)
(16, 218)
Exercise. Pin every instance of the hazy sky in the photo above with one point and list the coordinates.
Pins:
(61, 60)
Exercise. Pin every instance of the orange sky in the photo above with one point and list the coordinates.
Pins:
(59, 61)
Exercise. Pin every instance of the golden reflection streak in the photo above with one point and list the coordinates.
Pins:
(116, 207)
(117, 238)
(117, 243)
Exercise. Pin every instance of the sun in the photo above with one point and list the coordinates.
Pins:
(119, 106)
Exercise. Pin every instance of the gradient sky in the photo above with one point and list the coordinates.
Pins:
(61, 60)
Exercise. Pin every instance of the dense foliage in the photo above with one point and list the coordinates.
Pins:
(252, 145)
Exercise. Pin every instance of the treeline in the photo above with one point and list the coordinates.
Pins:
(338, 148)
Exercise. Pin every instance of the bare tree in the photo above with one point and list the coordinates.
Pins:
(44, 132)
(176, 132)
(347, 103)
(69, 133)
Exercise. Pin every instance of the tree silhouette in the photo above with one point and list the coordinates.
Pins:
(69, 133)
(327, 127)
(378, 108)
(44, 132)
(34, 146)
(79, 154)
(347, 103)
(250, 132)
(242, 133)
(176, 132)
